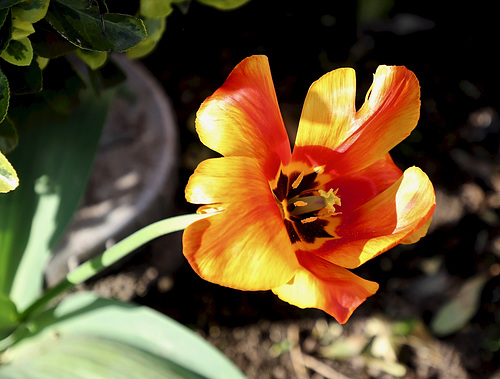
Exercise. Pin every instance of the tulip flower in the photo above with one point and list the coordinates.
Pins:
(296, 223)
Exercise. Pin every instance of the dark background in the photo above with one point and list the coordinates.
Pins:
(452, 49)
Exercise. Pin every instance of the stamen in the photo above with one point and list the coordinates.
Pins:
(297, 181)
(309, 219)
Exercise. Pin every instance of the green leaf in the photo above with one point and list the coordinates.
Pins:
(8, 316)
(8, 181)
(21, 28)
(94, 59)
(89, 337)
(457, 312)
(5, 29)
(24, 79)
(83, 25)
(224, 5)
(19, 52)
(8, 3)
(3, 16)
(4, 96)
(54, 161)
(157, 9)
(31, 10)
(155, 28)
(8, 136)
(50, 44)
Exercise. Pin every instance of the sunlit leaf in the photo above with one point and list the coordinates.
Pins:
(8, 181)
(94, 59)
(32, 10)
(8, 316)
(53, 162)
(19, 52)
(224, 5)
(457, 312)
(157, 9)
(89, 337)
(21, 28)
(81, 23)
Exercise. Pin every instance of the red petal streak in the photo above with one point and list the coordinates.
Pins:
(358, 188)
(242, 118)
(323, 285)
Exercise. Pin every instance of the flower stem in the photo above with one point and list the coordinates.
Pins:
(93, 266)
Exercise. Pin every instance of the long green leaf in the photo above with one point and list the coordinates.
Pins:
(89, 337)
(53, 161)
(8, 316)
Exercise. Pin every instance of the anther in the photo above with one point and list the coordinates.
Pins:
(297, 181)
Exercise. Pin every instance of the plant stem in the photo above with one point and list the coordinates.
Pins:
(93, 266)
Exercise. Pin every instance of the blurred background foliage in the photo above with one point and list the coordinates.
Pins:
(439, 298)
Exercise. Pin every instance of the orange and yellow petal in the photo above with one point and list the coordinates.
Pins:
(242, 118)
(323, 285)
(244, 246)
(389, 114)
(329, 110)
(383, 222)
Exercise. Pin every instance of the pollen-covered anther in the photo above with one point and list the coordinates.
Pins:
(297, 181)
(308, 220)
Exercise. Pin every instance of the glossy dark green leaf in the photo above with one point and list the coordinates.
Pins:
(5, 29)
(81, 23)
(4, 96)
(8, 3)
